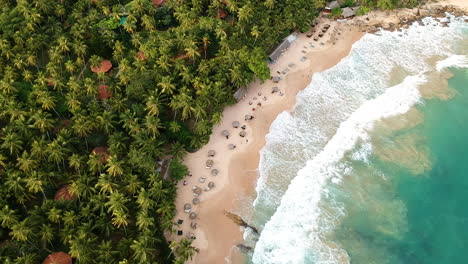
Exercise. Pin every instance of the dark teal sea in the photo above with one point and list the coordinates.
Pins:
(409, 200)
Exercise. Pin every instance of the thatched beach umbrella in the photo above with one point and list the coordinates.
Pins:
(214, 172)
(235, 124)
(187, 207)
(327, 26)
(274, 89)
(58, 258)
(202, 179)
(196, 201)
(242, 133)
(231, 146)
(211, 185)
(211, 153)
(225, 133)
(197, 190)
(193, 225)
(193, 215)
(209, 163)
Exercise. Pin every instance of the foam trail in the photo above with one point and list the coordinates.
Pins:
(293, 231)
(460, 61)
(298, 136)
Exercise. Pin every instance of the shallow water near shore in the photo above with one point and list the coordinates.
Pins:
(369, 166)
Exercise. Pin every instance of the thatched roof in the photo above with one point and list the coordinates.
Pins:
(102, 152)
(103, 92)
(242, 133)
(209, 163)
(225, 133)
(105, 66)
(64, 194)
(211, 184)
(140, 55)
(214, 172)
(211, 153)
(221, 13)
(350, 11)
(231, 146)
(58, 258)
(235, 124)
(159, 2)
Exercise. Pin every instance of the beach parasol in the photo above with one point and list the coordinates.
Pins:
(193, 225)
(58, 258)
(211, 185)
(209, 163)
(196, 201)
(242, 133)
(214, 172)
(231, 146)
(193, 215)
(187, 207)
(197, 190)
(235, 124)
(211, 153)
(225, 133)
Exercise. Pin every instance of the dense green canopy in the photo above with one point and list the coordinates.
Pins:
(95, 93)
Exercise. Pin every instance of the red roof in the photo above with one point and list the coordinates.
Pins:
(58, 258)
(106, 65)
(102, 152)
(141, 55)
(221, 13)
(103, 92)
(159, 2)
(64, 194)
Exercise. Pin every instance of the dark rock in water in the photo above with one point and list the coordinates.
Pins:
(244, 249)
(240, 222)
(276, 79)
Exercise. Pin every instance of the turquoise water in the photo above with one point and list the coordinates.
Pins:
(413, 215)
(371, 165)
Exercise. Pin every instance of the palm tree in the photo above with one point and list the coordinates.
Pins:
(105, 184)
(8, 217)
(46, 234)
(21, 231)
(12, 143)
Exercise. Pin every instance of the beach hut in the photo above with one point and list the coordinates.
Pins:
(58, 258)
(282, 47)
(225, 133)
(195, 200)
(350, 11)
(105, 66)
(242, 133)
(104, 92)
(159, 2)
(64, 194)
(235, 124)
(187, 207)
(209, 163)
(231, 146)
(102, 152)
(193, 215)
(214, 172)
(240, 93)
(211, 153)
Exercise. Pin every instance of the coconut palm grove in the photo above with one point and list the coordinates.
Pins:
(96, 96)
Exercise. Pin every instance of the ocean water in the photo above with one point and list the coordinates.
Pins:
(371, 164)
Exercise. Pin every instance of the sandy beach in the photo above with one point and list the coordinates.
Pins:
(217, 235)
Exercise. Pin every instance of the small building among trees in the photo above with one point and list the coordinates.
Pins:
(282, 47)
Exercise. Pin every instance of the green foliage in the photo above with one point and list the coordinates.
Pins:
(177, 169)
(336, 12)
(96, 138)
(363, 10)
(348, 3)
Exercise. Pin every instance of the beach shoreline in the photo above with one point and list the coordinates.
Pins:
(216, 234)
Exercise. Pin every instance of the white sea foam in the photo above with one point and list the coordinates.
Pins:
(331, 115)
(298, 136)
(460, 61)
(287, 238)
